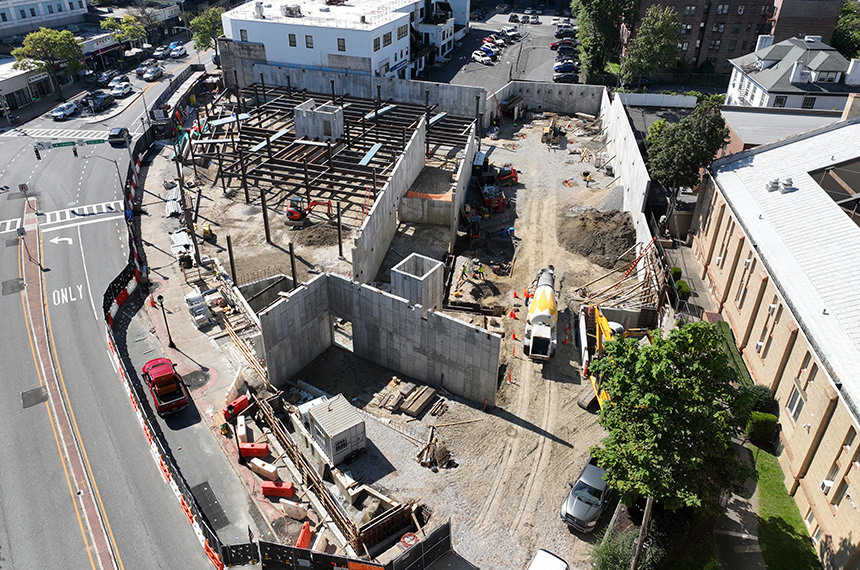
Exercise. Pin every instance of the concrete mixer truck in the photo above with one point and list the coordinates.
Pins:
(540, 338)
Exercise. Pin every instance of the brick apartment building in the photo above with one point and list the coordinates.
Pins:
(714, 32)
(776, 233)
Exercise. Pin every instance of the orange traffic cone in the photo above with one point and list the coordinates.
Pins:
(514, 335)
(565, 339)
(515, 294)
(513, 315)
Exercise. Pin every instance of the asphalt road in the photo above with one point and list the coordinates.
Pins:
(82, 250)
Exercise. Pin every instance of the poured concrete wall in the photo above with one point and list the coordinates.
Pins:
(424, 211)
(375, 234)
(628, 162)
(562, 98)
(454, 99)
(461, 184)
(260, 293)
(419, 280)
(296, 329)
(436, 349)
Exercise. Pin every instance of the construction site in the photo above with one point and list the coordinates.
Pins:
(405, 299)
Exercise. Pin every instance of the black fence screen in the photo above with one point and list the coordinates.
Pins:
(426, 552)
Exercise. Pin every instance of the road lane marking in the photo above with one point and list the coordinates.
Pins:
(87, 274)
(76, 213)
(55, 134)
(83, 223)
(65, 295)
(12, 225)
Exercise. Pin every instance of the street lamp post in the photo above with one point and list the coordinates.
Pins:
(115, 163)
(160, 300)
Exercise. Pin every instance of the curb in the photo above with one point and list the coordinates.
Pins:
(119, 111)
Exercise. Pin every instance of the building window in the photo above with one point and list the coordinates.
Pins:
(59, 7)
(795, 404)
(813, 372)
(715, 44)
(292, 40)
(690, 11)
(50, 9)
(340, 445)
(732, 45)
(375, 44)
(243, 35)
(3, 16)
(341, 44)
(686, 28)
(741, 8)
(386, 39)
(33, 12)
(683, 46)
(719, 27)
(23, 14)
(309, 42)
(808, 103)
(840, 494)
(402, 31)
(816, 536)
(81, 4)
(698, 44)
(779, 101)
(849, 439)
(763, 9)
(809, 519)
(736, 28)
(722, 8)
(71, 6)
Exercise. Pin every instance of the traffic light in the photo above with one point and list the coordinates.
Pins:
(75, 151)
(38, 156)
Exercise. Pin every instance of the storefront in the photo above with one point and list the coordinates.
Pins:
(19, 87)
(102, 52)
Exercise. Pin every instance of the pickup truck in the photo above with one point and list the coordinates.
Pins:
(169, 393)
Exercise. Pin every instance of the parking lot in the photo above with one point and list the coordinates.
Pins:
(529, 59)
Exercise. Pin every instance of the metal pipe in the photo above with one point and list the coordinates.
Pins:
(339, 233)
(232, 262)
(293, 266)
(265, 215)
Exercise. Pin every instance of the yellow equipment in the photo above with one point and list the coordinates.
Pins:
(603, 332)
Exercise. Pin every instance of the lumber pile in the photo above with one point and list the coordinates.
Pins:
(418, 400)
(439, 408)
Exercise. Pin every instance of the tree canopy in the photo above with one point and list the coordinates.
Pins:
(207, 27)
(125, 29)
(678, 152)
(46, 49)
(846, 34)
(672, 413)
(600, 29)
(655, 45)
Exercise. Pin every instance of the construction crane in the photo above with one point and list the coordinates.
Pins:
(297, 212)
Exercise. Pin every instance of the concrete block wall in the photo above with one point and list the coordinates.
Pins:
(419, 280)
(628, 162)
(375, 235)
(296, 329)
(457, 100)
(436, 349)
(556, 97)
(461, 185)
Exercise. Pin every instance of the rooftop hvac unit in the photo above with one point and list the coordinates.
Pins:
(786, 185)
(772, 186)
(292, 11)
(258, 10)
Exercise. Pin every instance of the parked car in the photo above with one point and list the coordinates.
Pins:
(513, 18)
(565, 78)
(64, 111)
(153, 73)
(556, 21)
(161, 52)
(587, 499)
(118, 135)
(546, 560)
(105, 78)
(121, 89)
(490, 50)
(528, 11)
(565, 67)
(636, 82)
(118, 80)
(494, 41)
(97, 100)
(481, 57)
(565, 33)
(174, 45)
(534, 20)
(558, 44)
(566, 49)
(145, 66)
(178, 52)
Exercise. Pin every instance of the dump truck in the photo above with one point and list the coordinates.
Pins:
(540, 338)
(169, 393)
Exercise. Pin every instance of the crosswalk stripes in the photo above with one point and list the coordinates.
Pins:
(55, 134)
(12, 225)
(81, 212)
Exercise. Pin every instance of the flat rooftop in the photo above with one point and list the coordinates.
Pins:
(757, 126)
(810, 246)
(355, 14)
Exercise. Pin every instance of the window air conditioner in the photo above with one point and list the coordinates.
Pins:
(758, 346)
(719, 260)
(825, 486)
(771, 308)
(747, 263)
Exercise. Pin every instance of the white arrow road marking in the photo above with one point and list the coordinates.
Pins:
(58, 239)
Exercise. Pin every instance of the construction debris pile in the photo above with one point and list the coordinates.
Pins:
(405, 397)
(435, 454)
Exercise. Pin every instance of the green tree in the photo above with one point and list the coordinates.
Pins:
(125, 29)
(207, 27)
(147, 17)
(46, 49)
(655, 45)
(673, 411)
(600, 30)
(846, 34)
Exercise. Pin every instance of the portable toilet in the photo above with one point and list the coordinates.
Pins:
(338, 428)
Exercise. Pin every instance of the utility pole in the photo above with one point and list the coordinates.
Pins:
(643, 531)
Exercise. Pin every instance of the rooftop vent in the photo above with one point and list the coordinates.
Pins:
(772, 186)
(292, 11)
(258, 10)
(810, 39)
(786, 185)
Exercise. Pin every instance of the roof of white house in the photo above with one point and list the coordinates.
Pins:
(808, 244)
(815, 55)
(355, 14)
(762, 125)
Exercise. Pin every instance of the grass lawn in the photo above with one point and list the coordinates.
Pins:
(613, 68)
(784, 540)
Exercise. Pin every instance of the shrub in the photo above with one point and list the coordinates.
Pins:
(683, 290)
(761, 428)
(762, 399)
(676, 274)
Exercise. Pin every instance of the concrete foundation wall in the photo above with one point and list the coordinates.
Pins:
(424, 211)
(628, 162)
(556, 97)
(454, 99)
(375, 234)
(436, 349)
(260, 293)
(296, 329)
(461, 184)
(419, 280)
(657, 100)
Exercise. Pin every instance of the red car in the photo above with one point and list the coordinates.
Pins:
(564, 42)
(168, 391)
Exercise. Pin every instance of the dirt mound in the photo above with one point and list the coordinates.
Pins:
(599, 236)
(320, 234)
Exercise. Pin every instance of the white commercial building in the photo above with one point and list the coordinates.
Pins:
(798, 73)
(19, 17)
(385, 38)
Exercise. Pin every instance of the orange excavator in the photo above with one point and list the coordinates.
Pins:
(297, 212)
